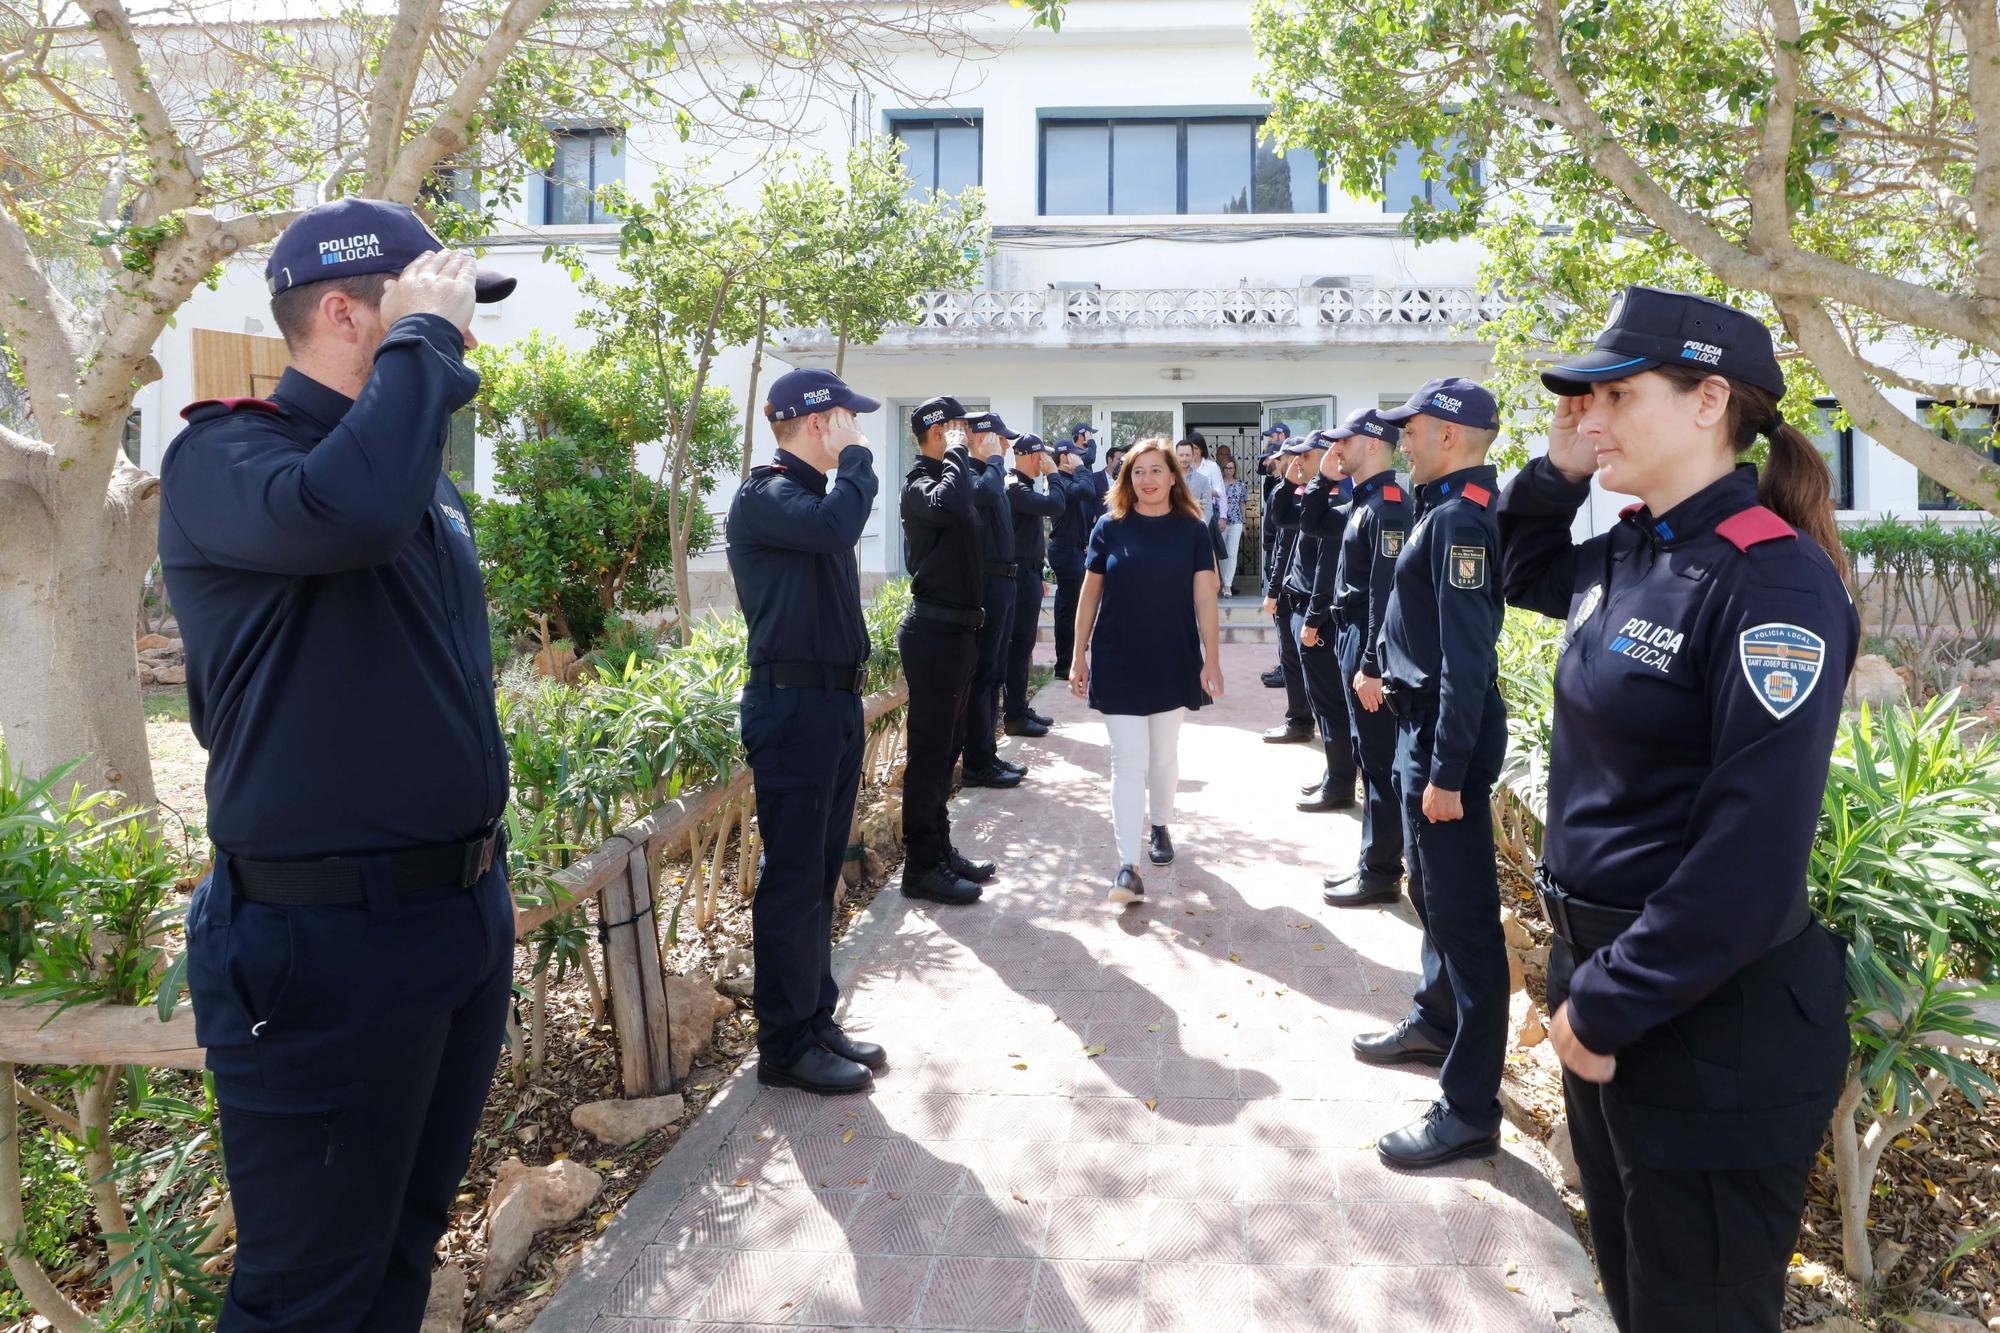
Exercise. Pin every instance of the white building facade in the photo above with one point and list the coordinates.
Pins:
(1154, 268)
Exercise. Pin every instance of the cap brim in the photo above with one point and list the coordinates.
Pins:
(861, 404)
(1340, 433)
(487, 285)
(1396, 416)
(1574, 376)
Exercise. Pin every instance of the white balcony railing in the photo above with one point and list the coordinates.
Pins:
(1205, 307)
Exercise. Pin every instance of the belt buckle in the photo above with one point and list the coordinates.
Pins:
(478, 858)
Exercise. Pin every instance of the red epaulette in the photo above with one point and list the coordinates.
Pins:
(1631, 509)
(1298, 490)
(1392, 492)
(231, 405)
(1755, 524)
(1479, 495)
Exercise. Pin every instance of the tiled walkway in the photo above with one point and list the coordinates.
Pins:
(1099, 1119)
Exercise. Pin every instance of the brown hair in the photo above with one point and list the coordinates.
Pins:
(1796, 483)
(292, 309)
(1124, 500)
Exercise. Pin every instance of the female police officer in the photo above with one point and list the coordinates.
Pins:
(1698, 1006)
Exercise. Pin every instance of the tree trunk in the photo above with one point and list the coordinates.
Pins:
(70, 579)
(41, 1292)
(750, 394)
(840, 351)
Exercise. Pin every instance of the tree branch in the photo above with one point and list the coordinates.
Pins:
(1981, 26)
(446, 134)
(24, 462)
(40, 1290)
(176, 170)
(389, 100)
(1766, 175)
(42, 326)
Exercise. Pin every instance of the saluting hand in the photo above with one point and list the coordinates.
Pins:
(1571, 454)
(439, 282)
(1441, 806)
(1579, 1059)
(1368, 689)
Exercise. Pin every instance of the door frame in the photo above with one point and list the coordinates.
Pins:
(1275, 409)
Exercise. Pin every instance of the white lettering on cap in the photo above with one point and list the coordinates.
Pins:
(1447, 402)
(818, 396)
(365, 245)
(1706, 353)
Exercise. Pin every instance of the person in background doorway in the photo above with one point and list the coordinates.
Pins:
(1271, 469)
(1069, 533)
(1188, 453)
(1032, 506)
(1148, 646)
(983, 766)
(1235, 499)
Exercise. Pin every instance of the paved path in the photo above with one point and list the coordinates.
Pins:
(1099, 1119)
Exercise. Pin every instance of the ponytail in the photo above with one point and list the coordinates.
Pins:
(1796, 483)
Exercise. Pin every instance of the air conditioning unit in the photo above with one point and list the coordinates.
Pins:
(1337, 280)
(1077, 286)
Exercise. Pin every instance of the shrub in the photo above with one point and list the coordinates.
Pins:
(1933, 591)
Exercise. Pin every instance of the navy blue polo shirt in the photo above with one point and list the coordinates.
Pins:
(1145, 649)
(791, 552)
(340, 672)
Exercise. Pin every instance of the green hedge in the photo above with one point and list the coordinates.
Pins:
(1940, 582)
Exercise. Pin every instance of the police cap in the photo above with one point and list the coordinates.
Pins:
(1276, 428)
(1452, 398)
(1082, 428)
(931, 411)
(1031, 443)
(346, 238)
(990, 421)
(799, 392)
(1650, 327)
(1365, 421)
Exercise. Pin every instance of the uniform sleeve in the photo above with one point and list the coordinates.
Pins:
(1382, 552)
(1538, 561)
(940, 502)
(793, 518)
(1319, 513)
(249, 497)
(1752, 824)
(1325, 577)
(1097, 556)
(1468, 634)
(1027, 500)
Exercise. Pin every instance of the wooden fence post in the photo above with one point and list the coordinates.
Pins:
(622, 974)
(658, 1039)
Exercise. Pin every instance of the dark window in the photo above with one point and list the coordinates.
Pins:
(1213, 165)
(1966, 423)
(586, 161)
(1404, 185)
(1836, 444)
(457, 186)
(941, 155)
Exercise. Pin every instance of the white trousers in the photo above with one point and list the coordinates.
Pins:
(1232, 539)
(1145, 769)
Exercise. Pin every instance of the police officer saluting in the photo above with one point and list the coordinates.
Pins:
(939, 641)
(1441, 665)
(983, 765)
(791, 533)
(1281, 524)
(1069, 534)
(1031, 510)
(1272, 463)
(1377, 523)
(1699, 1010)
(1322, 518)
(351, 954)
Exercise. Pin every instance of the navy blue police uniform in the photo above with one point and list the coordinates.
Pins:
(1322, 512)
(996, 527)
(1069, 536)
(1697, 700)
(945, 552)
(1440, 665)
(1281, 523)
(1031, 510)
(790, 536)
(1377, 525)
(350, 954)
(1269, 483)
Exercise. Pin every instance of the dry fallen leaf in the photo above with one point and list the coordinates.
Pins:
(848, 1135)
(1153, 1027)
(1020, 1065)
(1093, 1051)
(742, 1181)
(1152, 1103)
(1319, 948)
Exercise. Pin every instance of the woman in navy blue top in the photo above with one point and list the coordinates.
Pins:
(1147, 643)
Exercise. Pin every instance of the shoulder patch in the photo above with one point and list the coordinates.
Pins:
(1392, 543)
(230, 405)
(1755, 524)
(1782, 662)
(1479, 495)
(1468, 566)
(1392, 492)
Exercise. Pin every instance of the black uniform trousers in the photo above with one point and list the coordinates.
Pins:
(1685, 1237)
(982, 701)
(1021, 640)
(1462, 995)
(1373, 736)
(1298, 704)
(1066, 563)
(938, 662)
(352, 1047)
(1320, 668)
(804, 745)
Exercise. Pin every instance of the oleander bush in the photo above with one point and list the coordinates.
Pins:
(1931, 591)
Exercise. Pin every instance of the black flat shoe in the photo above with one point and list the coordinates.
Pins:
(1062, 673)
(1273, 680)
(817, 1070)
(967, 868)
(1025, 726)
(1128, 888)
(1321, 800)
(1291, 733)
(1438, 1138)
(1009, 766)
(1312, 787)
(1400, 1045)
(1357, 890)
(1043, 718)
(939, 884)
(1162, 850)
(999, 777)
(847, 1048)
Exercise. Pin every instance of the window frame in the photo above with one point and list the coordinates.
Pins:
(1430, 186)
(1180, 123)
(553, 187)
(1843, 479)
(1924, 406)
(975, 123)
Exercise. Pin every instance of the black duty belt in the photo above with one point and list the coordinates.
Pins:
(810, 676)
(1587, 926)
(957, 617)
(1406, 702)
(997, 570)
(339, 879)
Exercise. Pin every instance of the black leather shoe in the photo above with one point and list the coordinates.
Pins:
(1438, 1138)
(1312, 787)
(1162, 850)
(1291, 733)
(1321, 799)
(1274, 679)
(967, 868)
(1009, 766)
(1400, 1045)
(847, 1048)
(999, 777)
(1025, 726)
(1062, 673)
(1042, 718)
(1128, 888)
(939, 884)
(817, 1070)
(1357, 890)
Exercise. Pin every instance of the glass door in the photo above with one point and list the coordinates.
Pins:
(1121, 422)
(1303, 415)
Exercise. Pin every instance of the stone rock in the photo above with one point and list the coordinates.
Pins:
(1517, 977)
(1532, 1032)
(151, 641)
(445, 1311)
(621, 1122)
(170, 675)
(1839, 1323)
(1931, 1321)
(1516, 934)
(527, 1200)
(1986, 671)
(1535, 964)
(1564, 1152)
(693, 1010)
(1875, 683)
